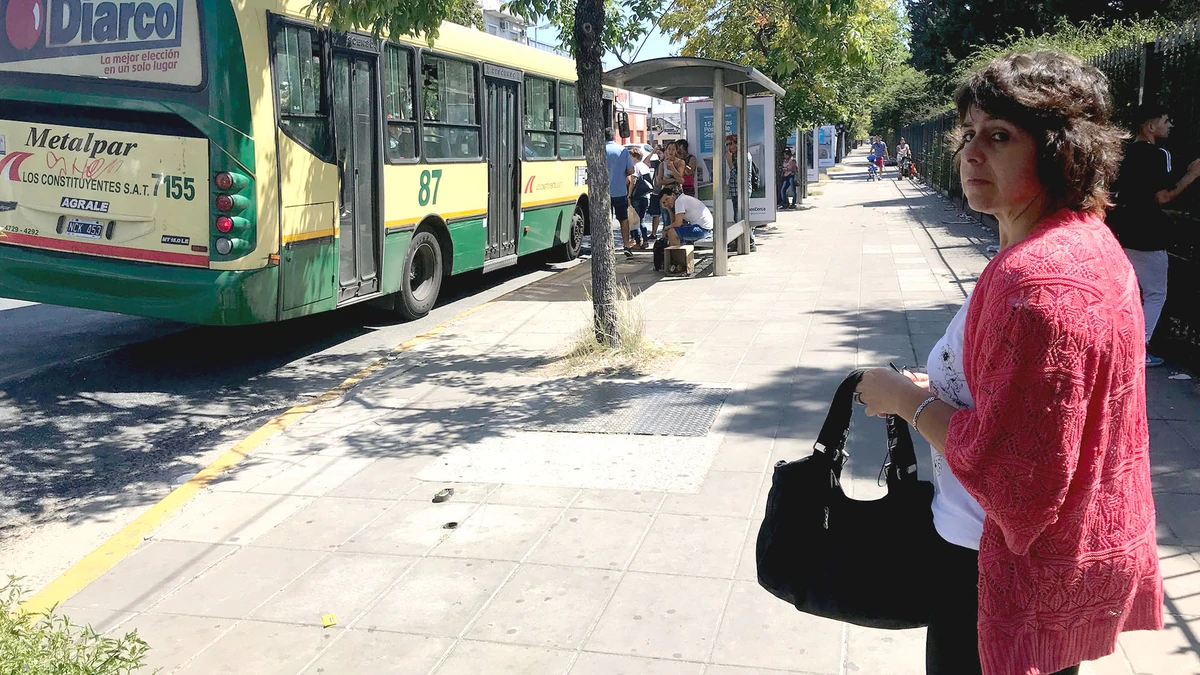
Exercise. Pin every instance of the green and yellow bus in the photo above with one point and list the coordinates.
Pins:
(228, 163)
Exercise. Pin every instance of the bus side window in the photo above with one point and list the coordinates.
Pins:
(539, 118)
(570, 127)
(298, 71)
(398, 105)
(451, 129)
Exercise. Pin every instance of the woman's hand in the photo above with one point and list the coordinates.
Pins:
(919, 379)
(886, 392)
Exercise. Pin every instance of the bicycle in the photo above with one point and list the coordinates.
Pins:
(872, 168)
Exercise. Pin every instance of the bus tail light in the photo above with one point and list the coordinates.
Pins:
(227, 181)
(224, 225)
(232, 204)
(225, 202)
(226, 245)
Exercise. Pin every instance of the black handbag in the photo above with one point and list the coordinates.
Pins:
(863, 562)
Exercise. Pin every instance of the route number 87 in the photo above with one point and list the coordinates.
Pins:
(427, 177)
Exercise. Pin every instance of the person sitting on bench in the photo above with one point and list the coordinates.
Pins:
(690, 221)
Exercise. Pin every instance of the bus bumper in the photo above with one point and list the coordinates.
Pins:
(211, 297)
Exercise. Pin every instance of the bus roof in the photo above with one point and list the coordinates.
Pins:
(466, 42)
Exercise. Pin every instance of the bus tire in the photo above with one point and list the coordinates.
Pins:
(569, 249)
(422, 279)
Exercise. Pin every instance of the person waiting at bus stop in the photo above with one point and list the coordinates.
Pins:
(620, 169)
(690, 218)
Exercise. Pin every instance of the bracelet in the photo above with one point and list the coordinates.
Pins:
(917, 415)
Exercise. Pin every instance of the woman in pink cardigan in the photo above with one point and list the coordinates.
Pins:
(1035, 401)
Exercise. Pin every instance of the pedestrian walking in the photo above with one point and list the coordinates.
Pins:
(788, 184)
(1144, 187)
(879, 149)
(620, 169)
(1035, 399)
(903, 159)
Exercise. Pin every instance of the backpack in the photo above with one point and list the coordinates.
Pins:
(660, 253)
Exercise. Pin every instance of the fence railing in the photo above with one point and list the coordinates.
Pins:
(1162, 71)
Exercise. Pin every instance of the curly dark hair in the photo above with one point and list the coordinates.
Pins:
(1065, 105)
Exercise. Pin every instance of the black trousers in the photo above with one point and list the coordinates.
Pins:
(952, 640)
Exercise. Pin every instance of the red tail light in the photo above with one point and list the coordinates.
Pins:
(224, 224)
(225, 202)
(224, 180)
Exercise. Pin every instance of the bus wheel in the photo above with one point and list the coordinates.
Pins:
(422, 276)
(569, 249)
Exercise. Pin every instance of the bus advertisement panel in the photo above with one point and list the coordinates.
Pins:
(105, 193)
(155, 41)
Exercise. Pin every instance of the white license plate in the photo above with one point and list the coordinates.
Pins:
(88, 229)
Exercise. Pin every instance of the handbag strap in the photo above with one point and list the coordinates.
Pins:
(831, 441)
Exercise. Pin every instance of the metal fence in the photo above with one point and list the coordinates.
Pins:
(1164, 71)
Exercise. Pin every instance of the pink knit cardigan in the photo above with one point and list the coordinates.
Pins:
(1056, 450)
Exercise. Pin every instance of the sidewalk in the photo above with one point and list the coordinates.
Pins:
(603, 552)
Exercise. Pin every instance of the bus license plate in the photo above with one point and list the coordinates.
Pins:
(88, 229)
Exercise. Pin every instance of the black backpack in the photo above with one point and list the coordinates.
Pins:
(660, 253)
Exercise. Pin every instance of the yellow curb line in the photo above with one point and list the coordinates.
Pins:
(95, 564)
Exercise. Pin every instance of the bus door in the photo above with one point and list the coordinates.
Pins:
(355, 127)
(503, 134)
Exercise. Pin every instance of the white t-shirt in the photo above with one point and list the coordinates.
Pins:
(694, 211)
(957, 517)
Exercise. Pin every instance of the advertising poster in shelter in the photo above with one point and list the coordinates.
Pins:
(760, 122)
(826, 151)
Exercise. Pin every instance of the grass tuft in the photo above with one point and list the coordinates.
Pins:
(638, 355)
(49, 644)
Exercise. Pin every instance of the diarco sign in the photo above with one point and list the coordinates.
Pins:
(147, 40)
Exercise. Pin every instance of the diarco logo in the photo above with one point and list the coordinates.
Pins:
(46, 29)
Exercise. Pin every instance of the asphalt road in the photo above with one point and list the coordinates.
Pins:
(102, 414)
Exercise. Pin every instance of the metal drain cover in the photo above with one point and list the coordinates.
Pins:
(653, 409)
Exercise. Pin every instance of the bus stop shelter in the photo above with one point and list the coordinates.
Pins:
(676, 77)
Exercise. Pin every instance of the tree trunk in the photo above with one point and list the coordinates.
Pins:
(589, 27)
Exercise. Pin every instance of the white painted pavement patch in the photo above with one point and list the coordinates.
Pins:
(612, 462)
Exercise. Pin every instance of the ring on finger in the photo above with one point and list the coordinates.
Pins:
(858, 398)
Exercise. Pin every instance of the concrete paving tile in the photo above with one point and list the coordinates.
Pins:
(261, 648)
(174, 640)
(703, 546)
(591, 663)
(240, 582)
(312, 476)
(409, 528)
(387, 478)
(758, 630)
(469, 493)
(437, 596)
(724, 493)
(252, 471)
(546, 606)
(1170, 651)
(747, 569)
(736, 670)
(324, 524)
(499, 532)
(661, 616)
(592, 538)
(1180, 512)
(641, 501)
(739, 452)
(486, 658)
(1180, 569)
(100, 620)
(230, 518)
(532, 495)
(379, 653)
(148, 574)
(895, 652)
(343, 584)
(1113, 664)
